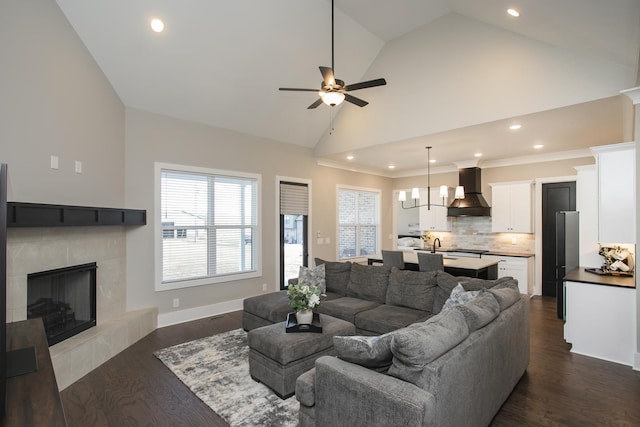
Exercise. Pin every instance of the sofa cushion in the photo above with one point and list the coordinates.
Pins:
(387, 318)
(418, 345)
(272, 306)
(313, 276)
(479, 311)
(345, 308)
(459, 296)
(446, 282)
(413, 289)
(336, 275)
(506, 296)
(372, 352)
(369, 282)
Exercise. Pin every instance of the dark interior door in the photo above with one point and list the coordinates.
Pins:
(556, 197)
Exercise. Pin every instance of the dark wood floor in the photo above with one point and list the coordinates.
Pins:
(559, 388)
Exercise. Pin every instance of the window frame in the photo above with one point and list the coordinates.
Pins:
(158, 253)
(378, 225)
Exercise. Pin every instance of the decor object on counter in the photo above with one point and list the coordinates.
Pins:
(616, 258)
(303, 298)
(426, 237)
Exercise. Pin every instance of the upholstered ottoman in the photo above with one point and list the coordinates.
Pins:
(278, 358)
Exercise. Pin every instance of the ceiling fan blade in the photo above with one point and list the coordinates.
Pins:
(298, 89)
(352, 99)
(364, 85)
(327, 75)
(315, 104)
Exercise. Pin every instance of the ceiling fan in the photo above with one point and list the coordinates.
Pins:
(333, 91)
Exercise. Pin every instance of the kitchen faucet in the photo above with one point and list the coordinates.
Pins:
(433, 251)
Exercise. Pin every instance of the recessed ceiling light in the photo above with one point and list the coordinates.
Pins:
(157, 25)
(478, 155)
(515, 127)
(538, 146)
(392, 166)
(513, 12)
(349, 157)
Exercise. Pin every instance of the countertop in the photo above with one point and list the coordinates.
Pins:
(582, 276)
(454, 262)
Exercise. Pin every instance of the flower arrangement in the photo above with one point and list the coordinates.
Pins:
(303, 296)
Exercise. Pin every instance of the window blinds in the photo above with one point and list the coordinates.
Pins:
(294, 199)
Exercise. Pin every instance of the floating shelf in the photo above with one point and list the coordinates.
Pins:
(45, 215)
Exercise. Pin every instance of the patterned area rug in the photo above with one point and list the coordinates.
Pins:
(216, 369)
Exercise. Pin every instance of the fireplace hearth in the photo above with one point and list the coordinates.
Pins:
(65, 299)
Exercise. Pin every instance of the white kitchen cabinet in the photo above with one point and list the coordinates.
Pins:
(616, 192)
(600, 321)
(511, 207)
(520, 268)
(434, 219)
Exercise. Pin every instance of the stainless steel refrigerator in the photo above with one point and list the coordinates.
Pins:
(567, 251)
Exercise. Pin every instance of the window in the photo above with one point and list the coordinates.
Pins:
(358, 222)
(208, 226)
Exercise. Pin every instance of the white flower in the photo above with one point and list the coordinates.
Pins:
(314, 300)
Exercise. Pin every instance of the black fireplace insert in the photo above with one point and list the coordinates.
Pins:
(64, 298)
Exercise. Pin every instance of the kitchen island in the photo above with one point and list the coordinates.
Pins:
(481, 268)
(600, 313)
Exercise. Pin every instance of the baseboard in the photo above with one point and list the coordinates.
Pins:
(176, 317)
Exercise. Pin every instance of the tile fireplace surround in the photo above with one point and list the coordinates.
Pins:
(31, 250)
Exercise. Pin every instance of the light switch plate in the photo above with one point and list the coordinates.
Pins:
(54, 162)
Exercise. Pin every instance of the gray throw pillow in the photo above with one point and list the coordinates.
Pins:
(372, 352)
(313, 276)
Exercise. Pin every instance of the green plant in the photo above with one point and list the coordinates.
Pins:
(303, 296)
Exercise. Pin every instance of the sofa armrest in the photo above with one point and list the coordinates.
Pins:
(351, 395)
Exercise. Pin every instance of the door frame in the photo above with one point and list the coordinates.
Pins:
(279, 178)
(537, 278)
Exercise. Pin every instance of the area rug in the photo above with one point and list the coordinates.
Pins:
(216, 369)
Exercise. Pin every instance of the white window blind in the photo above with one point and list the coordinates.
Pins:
(209, 225)
(294, 199)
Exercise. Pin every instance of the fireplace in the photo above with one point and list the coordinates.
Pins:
(64, 298)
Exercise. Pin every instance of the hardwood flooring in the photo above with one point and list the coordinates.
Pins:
(558, 389)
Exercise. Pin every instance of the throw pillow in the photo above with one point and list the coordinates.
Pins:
(459, 296)
(313, 276)
(372, 352)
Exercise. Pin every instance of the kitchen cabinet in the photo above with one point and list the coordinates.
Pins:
(601, 321)
(616, 192)
(520, 268)
(434, 219)
(511, 206)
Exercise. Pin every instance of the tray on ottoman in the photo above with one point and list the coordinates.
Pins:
(292, 324)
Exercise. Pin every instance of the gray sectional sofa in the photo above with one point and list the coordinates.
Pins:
(421, 357)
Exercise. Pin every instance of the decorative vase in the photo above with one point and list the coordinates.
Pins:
(304, 317)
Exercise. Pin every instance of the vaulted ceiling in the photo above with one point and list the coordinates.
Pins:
(458, 72)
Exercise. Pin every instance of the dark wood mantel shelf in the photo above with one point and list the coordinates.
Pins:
(45, 215)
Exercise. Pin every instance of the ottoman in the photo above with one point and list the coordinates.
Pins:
(278, 358)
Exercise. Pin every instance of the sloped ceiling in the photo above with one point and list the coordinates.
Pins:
(458, 72)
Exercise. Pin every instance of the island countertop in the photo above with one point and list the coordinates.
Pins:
(453, 261)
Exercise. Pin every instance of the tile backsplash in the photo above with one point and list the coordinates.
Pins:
(469, 232)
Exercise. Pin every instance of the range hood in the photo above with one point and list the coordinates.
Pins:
(473, 203)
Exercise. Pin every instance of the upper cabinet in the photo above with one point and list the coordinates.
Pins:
(511, 207)
(434, 219)
(616, 192)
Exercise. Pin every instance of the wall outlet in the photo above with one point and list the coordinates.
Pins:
(78, 166)
(264, 287)
(54, 162)
(176, 302)
(514, 241)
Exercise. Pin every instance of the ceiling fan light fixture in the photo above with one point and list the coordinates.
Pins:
(332, 98)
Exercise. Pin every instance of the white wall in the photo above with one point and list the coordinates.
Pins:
(54, 100)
